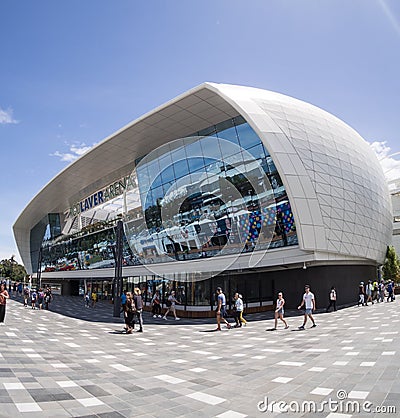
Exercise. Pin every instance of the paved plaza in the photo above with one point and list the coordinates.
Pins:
(74, 361)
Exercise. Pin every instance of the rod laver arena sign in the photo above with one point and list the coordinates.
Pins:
(113, 190)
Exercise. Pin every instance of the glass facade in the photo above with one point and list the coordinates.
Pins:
(214, 193)
(188, 292)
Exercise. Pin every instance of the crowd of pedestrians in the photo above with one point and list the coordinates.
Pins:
(37, 298)
(132, 303)
(375, 292)
(372, 292)
(33, 298)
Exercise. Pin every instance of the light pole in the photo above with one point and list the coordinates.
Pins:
(118, 270)
(39, 269)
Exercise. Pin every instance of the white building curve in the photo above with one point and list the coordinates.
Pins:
(332, 203)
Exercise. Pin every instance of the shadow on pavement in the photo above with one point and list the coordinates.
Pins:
(74, 307)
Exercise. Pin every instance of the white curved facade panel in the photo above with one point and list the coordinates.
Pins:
(334, 181)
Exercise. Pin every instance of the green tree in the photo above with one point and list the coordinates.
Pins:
(11, 269)
(391, 266)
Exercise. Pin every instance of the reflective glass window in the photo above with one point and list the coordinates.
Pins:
(229, 134)
(216, 193)
(257, 151)
(247, 137)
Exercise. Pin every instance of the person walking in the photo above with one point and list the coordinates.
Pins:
(156, 305)
(19, 289)
(123, 301)
(137, 299)
(129, 313)
(242, 320)
(309, 302)
(221, 309)
(361, 295)
(47, 298)
(375, 291)
(279, 311)
(381, 292)
(171, 301)
(238, 308)
(390, 289)
(94, 299)
(33, 298)
(26, 295)
(3, 301)
(368, 293)
(40, 298)
(332, 299)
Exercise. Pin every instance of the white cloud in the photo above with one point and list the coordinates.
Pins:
(6, 116)
(75, 151)
(390, 161)
(81, 149)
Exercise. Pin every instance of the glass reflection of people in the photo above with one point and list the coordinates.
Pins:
(280, 228)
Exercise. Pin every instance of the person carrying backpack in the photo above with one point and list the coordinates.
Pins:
(40, 298)
(332, 299)
(155, 305)
(171, 301)
(47, 298)
(26, 295)
(33, 299)
(130, 310)
(390, 292)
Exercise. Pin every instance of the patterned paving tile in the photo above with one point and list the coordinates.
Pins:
(76, 362)
(206, 398)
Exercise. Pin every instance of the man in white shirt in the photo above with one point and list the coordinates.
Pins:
(309, 302)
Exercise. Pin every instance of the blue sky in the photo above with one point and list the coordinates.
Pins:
(73, 72)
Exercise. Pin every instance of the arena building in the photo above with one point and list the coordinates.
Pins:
(225, 185)
(394, 187)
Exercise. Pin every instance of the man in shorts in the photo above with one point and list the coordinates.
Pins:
(309, 302)
(221, 309)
